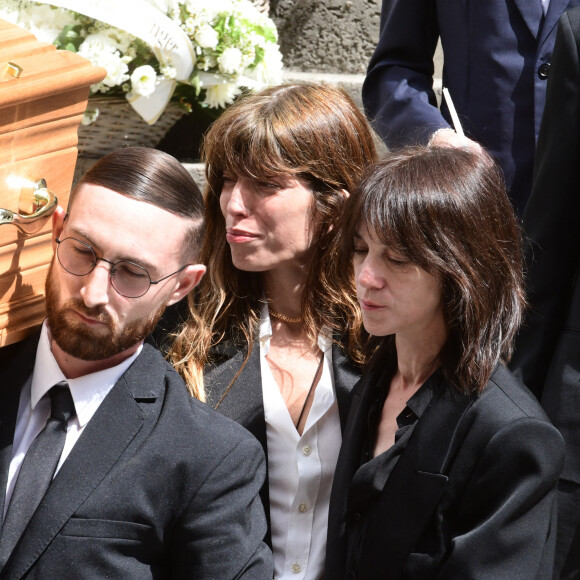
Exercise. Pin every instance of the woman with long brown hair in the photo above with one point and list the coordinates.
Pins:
(449, 465)
(269, 325)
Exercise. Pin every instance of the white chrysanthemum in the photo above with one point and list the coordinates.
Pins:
(269, 71)
(105, 55)
(221, 95)
(230, 61)
(122, 39)
(101, 41)
(143, 80)
(207, 37)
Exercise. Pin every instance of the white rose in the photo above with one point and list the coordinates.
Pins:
(143, 80)
(207, 37)
(221, 95)
(230, 61)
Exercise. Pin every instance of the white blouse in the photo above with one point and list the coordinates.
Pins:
(300, 468)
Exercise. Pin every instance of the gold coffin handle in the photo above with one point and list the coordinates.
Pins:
(44, 203)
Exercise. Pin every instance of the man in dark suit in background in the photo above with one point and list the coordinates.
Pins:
(149, 482)
(497, 59)
(547, 355)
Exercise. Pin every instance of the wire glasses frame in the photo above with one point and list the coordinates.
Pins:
(127, 278)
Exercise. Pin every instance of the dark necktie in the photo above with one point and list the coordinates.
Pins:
(37, 469)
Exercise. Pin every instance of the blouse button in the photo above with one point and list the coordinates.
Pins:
(302, 508)
(307, 450)
(296, 568)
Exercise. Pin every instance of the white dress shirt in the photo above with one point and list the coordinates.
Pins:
(545, 4)
(300, 468)
(87, 392)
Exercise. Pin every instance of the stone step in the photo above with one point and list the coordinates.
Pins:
(351, 83)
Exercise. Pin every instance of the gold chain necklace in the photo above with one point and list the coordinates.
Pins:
(283, 318)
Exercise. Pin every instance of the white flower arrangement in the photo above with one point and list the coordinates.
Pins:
(234, 47)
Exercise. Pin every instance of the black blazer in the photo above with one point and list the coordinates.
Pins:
(547, 354)
(472, 495)
(157, 486)
(244, 402)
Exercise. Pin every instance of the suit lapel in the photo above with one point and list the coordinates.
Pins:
(532, 13)
(113, 427)
(555, 9)
(414, 487)
(17, 363)
(243, 400)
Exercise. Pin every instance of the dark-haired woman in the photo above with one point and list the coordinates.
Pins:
(448, 466)
(266, 324)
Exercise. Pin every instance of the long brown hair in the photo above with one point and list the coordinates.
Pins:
(446, 210)
(310, 131)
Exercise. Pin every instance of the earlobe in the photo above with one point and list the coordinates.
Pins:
(187, 281)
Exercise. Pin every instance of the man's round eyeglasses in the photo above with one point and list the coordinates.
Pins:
(127, 278)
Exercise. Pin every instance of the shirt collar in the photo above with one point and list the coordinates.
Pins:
(87, 392)
(419, 402)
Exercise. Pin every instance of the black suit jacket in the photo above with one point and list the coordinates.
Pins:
(244, 402)
(547, 354)
(472, 495)
(157, 486)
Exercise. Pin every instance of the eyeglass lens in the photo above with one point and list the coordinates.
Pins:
(77, 258)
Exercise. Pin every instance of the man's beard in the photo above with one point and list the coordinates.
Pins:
(82, 341)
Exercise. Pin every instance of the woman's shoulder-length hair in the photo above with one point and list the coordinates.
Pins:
(309, 131)
(446, 210)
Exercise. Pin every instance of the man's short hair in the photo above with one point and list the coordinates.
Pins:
(154, 177)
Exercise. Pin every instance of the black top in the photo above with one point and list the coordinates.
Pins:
(370, 478)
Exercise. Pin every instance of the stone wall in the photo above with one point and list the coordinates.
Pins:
(328, 36)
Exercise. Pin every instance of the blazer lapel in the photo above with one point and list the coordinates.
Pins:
(555, 9)
(242, 401)
(114, 426)
(17, 363)
(532, 13)
(414, 487)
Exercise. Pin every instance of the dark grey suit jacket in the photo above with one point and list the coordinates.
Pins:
(157, 486)
(472, 495)
(244, 402)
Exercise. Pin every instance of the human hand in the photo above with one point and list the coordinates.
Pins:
(449, 138)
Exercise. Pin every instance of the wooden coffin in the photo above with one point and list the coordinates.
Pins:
(40, 112)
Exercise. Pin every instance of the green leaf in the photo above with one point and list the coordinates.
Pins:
(70, 38)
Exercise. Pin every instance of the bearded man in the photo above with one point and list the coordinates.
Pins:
(108, 467)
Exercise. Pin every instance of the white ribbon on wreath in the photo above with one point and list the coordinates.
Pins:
(169, 43)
